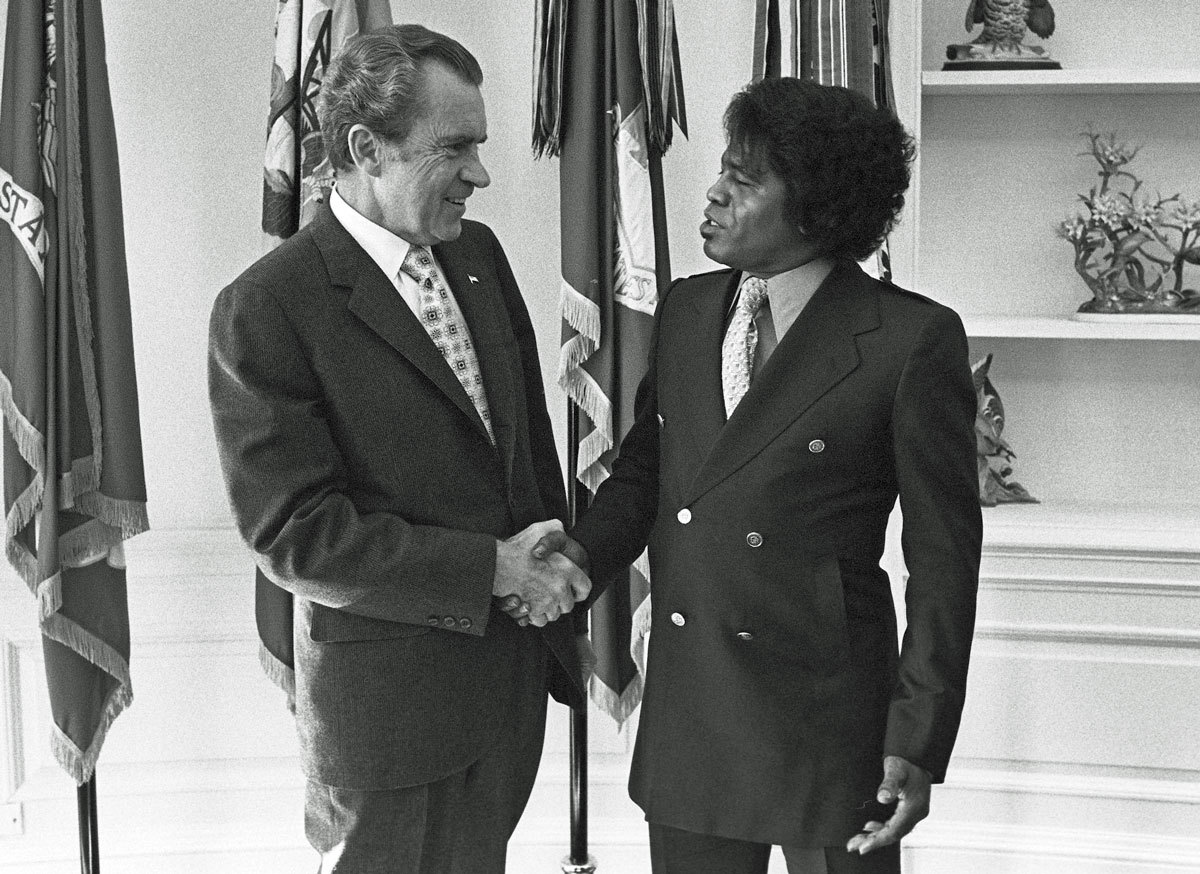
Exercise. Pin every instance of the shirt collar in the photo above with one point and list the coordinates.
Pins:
(791, 290)
(385, 248)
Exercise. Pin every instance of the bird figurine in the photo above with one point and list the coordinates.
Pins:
(1001, 42)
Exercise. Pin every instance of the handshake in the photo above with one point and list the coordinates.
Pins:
(541, 574)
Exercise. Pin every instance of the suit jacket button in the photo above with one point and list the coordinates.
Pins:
(754, 540)
(432, 620)
(448, 621)
(745, 635)
(464, 622)
(684, 516)
(678, 619)
(816, 446)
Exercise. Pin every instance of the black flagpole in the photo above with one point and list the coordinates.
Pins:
(580, 861)
(89, 829)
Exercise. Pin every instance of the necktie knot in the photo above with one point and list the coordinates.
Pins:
(418, 264)
(754, 293)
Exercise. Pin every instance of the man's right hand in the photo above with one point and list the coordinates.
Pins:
(556, 540)
(548, 587)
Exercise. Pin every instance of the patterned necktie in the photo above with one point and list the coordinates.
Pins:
(737, 352)
(447, 330)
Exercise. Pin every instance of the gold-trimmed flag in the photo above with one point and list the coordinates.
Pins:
(607, 94)
(74, 486)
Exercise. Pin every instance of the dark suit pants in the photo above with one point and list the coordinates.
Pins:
(674, 851)
(457, 825)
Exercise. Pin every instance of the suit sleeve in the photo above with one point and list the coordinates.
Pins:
(934, 445)
(288, 485)
(617, 524)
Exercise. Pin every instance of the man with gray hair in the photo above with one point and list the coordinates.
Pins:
(382, 427)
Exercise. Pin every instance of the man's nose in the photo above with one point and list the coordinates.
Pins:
(476, 174)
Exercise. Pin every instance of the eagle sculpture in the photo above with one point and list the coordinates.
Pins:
(1000, 43)
(1005, 21)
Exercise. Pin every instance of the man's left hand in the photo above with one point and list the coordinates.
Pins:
(904, 782)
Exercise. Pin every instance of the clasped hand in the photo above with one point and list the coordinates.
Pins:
(537, 583)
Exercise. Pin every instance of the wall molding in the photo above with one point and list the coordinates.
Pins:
(1137, 789)
(1078, 584)
(1040, 844)
(1087, 635)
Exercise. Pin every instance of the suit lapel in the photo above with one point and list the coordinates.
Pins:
(375, 301)
(481, 301)
(702, 362)
(817, 352)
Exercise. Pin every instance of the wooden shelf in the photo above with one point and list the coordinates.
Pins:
(1126, 528)
(971, 82)
(1066, 328)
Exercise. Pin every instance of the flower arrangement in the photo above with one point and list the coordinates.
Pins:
(1131, 249)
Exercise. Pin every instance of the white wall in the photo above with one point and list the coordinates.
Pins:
(201, 774)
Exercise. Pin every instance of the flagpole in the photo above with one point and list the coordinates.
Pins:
(579, 861)
(89, 829)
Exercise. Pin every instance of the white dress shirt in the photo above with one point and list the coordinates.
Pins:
(787, 295)
(387, 250)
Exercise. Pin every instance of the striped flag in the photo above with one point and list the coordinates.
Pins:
(607, 93)
(74, 488)
(832, 42)
(296, 179)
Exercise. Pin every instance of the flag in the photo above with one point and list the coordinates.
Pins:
(607, 93)
(297, 177)
(74, 487)
(832, 42)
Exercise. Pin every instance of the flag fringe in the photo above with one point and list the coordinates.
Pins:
(25, 506)
(579, 311)
(619, 707)
(278, 673)
(49, 597)
(23, 562)
(591, 472)
(128, 517)
(583, 315)
(87, 543)
(30, 442)
(80, 763)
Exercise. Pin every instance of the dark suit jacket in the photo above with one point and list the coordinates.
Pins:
(363, 479)
(774, 686)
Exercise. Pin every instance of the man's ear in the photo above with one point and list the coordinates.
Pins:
(366, 149)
